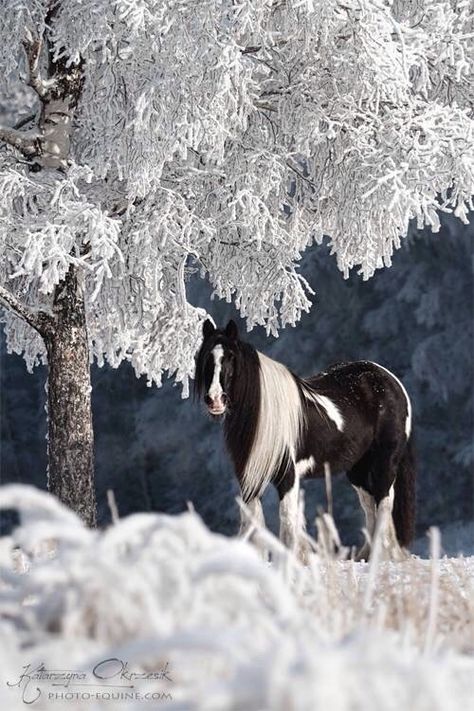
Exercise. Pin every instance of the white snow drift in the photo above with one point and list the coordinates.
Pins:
(231, 632)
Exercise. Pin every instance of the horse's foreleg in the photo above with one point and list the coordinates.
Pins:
(256, 516)
(252, 520)
(292, 519)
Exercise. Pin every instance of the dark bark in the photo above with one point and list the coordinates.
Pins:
(70, 432)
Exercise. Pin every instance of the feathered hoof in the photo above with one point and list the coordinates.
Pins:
(394, 553)
(391, 552)
(363, 554)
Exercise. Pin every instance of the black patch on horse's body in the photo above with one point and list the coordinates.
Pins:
(372, 407)
(372, 448)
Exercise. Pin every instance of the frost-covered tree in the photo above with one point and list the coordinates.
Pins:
(218, 136)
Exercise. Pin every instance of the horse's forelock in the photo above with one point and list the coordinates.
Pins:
(199, 369)
(217, 338)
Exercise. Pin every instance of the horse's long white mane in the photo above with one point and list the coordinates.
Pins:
(279, 425)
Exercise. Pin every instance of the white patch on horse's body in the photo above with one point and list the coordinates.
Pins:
(329, 407)
(215, 389)
(304, 466)
(279, 426)
(407, 397)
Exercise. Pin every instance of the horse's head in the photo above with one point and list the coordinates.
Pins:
(215, 365)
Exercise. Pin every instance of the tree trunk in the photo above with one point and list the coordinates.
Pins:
(70, 432)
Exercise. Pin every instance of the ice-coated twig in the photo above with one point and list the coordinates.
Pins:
(39, 320)
(328, 483)
(33, 46)
(19, 140)
(435, 550)
(112, 505)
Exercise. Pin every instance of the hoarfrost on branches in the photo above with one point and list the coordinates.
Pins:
(225, 138)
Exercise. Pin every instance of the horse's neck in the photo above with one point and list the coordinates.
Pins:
(245, 392)
(266, 424)
(240, 425)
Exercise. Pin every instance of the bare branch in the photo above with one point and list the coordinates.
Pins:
(33, 51)
(264, 107)
(22, 122)
(39, 320)
(300, 174)
(250, 50)
(28, 145)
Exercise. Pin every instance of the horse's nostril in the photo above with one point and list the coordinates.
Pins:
(207, 400)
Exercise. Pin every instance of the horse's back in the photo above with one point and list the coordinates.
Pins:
(353, 378)
(366, 391)
(346, 370)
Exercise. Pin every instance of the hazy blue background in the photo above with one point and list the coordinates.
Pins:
(157, 452)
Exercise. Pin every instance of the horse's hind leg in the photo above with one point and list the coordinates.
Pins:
(374, 478)
(381, 484)
(386, 462)
(386, 529)
(369, 507)
(292, 519)
(359, 477)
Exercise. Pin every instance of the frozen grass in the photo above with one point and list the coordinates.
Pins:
(236, 632)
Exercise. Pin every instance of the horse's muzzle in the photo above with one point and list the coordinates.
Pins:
(216, 405)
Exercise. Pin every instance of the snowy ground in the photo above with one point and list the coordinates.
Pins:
(214, 627)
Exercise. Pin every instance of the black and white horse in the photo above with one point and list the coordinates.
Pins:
(279, 428)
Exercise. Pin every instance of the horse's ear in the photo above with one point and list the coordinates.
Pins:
(232, 331)
(208, 328)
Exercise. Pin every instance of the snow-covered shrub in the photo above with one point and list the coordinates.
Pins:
(231, 631)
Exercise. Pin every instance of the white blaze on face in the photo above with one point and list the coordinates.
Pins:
(215, 390)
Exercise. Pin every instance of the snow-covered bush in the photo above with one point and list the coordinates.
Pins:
(230, 631)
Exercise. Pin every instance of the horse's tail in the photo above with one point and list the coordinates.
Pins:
(404, 505)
